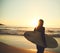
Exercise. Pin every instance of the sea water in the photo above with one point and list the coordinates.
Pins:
(21, 42)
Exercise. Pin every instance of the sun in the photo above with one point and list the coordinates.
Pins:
(34, 23)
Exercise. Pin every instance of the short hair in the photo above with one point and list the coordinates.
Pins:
(41, 20)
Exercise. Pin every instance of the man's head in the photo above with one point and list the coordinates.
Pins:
(40, 22)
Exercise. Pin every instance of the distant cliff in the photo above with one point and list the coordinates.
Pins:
(1, 24)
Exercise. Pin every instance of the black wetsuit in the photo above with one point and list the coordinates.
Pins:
(40, 49)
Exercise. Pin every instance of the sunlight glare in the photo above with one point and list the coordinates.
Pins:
(35, 22)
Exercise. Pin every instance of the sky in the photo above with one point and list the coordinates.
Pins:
(26, 13)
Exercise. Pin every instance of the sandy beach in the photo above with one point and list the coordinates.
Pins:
(4, 48)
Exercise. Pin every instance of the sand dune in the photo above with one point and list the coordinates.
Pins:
(4, 48)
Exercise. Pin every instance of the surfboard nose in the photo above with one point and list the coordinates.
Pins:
(26, 34)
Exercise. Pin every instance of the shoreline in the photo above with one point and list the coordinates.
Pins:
(4, 48)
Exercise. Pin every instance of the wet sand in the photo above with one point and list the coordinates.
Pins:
(4, 48)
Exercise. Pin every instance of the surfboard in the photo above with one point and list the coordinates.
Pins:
(35, 37)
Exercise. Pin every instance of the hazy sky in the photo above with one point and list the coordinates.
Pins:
(26, 12)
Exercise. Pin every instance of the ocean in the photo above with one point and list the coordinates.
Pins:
(14, 36)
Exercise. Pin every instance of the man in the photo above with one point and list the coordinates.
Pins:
(41, 29)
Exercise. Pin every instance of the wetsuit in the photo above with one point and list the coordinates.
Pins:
(40, 49)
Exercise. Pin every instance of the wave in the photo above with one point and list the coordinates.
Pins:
(20, 31)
